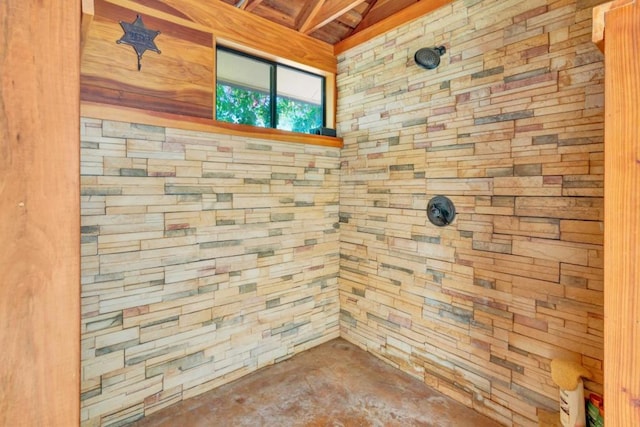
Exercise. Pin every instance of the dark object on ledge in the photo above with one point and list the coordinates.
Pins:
(324, 131)
(429, 58)
(441, 211)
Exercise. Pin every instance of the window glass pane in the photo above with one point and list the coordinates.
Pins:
(243, 90)
(299, 100)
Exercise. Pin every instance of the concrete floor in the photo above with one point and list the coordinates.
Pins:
(334, 384)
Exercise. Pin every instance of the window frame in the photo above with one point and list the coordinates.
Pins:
(273, 87)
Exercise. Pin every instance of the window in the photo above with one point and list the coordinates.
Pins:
(257, 92)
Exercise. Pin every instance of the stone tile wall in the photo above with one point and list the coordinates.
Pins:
(510, 127)
(204, 258)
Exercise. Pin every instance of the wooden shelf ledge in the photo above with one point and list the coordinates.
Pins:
(119, 113)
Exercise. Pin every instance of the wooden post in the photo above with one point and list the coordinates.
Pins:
(621, 30)
(39, 213)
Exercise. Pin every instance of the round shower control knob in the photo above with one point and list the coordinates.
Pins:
(441, 211)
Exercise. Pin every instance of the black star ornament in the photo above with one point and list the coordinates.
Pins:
(140, 37)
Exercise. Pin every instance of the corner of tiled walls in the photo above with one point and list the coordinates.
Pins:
(510, 127)
(204, 258)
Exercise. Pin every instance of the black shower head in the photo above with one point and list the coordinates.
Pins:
(428, 57)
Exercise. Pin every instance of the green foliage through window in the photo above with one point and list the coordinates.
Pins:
(298, 116)
(248, 86)
(243, 106)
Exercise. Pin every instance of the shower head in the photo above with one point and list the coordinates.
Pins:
(428, 57)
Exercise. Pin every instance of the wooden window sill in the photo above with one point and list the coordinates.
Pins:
(132, 115)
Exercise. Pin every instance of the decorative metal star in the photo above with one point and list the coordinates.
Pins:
(140, 37)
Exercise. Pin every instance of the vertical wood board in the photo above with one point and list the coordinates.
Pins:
(622, 224)
(39, 213)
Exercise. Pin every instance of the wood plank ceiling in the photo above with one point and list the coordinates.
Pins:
(328, 20)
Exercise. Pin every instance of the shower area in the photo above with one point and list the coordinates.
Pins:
(452, 232)
(207, 256)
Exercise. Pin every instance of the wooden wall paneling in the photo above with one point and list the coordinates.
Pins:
(178, 80)
(254, 32)
(39, 213)
(177, 87)
(157, 6)
(622, 210)
(251, 5)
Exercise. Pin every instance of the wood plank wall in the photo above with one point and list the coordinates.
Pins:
(39, 213)
(178, 84)
(178, 80)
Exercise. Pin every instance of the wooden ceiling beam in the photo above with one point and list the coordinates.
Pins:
(362, 25)
(404, 16)
(308, 15)
(381, 10)
(331, 10)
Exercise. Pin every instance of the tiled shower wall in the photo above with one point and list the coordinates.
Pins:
(204, 257)
(510, 127)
